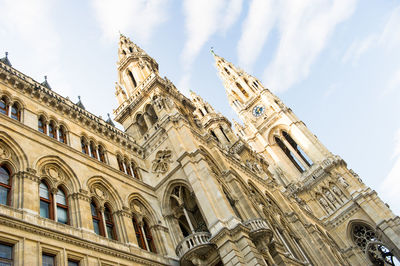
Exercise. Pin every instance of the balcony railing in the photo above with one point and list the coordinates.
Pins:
(193, 242)
(258, 227)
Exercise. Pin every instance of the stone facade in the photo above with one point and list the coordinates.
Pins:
(179, 186)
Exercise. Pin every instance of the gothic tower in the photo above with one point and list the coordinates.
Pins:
(308, 172)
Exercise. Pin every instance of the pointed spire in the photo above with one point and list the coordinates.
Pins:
(80, 104)
(109, 120)
(45, 83)
(5, 60)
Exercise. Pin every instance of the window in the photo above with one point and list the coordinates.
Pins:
(46, 201)
(297, 148)
(109, 223)
(134, 171)
(213, 134)
(289, 154)
(149, 237)
(73, 263)
(62, 135)
(3, 106)
(243, 91)
(5, 185)
(223, 132)
(84, 146)
(42, 125)
(128, 168)
(120, 164)
(102, 158)
(62, 207)
(6, 254)
(15, 112)
(52, 130)
(48, 260)
(97, 220)
(93, 151)
(132, 78)
(139, 234)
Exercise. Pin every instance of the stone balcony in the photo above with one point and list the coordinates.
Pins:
(259, 229)
(197, 244)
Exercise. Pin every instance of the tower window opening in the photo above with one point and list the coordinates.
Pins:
(290, 155)
(201, 112)
(123, 51)
(255, 84)
(213, 134)
(132, 78)
(130, 49)
(223, 132)
(237, 97)
(297, 148)
(227, 71)
(243, 91)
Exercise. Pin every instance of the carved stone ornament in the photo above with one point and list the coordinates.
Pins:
(4, 152)
(53, 171)
(255, 167)
(342, 181)
(161, 162)
(336, 190)
(99, 191)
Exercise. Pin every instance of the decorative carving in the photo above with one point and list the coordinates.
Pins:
(337, 191)
(53, 171)
(99, 191)
(342, 181)
(324, 203)
(329, 195)
(161, 162)
(254, 166)
(4, 152)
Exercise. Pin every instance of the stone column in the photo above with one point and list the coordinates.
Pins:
(81, 213)
(27, 196)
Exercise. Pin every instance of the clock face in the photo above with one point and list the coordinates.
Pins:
(258, 110)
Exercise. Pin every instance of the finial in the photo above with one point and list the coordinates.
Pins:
(212, 50)
(108, 114)
(45, 78)
(6, 54)
(79, 97)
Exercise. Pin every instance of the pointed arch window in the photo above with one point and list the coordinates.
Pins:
(46, 201)
(62, 206)
(243, 91)
(232, 203)
(102, 156)
(5, 185)
(213, 134)
(84, 146)
(132, 78)
(297, 148)
(289, 154)
(3, 106)
(16, 112)
(227, 71)
(223, 132)
(109, 223)
(149, 237)
(62, 135)
(135, 172)
(98, 226)
(139, 233)
(120, 164)
(52, 130)
(141, 124)
(93, 151)
(42, 125)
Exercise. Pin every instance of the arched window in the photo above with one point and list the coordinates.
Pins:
(46, 201)
(3, 106)
(93, 151)
(232, 203)
(15, 112)
(5, 185)
(98, 226)
(132, 78)
(139, 234)
(42, 125)
(289, 155)
(52, 130)
(102, 157)
(62, 207)
(84, 146)
(243, 91)
(130, 49)
(227, 71)
(223, 132)
(128, 168)
(120, 164)
(149, 237)
(134, 170)
(62, 135)
(141, 124)
(123, 51)
(109, 223)
(213, 134)
(297, 148)
(151, 114)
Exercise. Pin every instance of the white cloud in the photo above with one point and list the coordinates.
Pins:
(305, 28)
(388, 40)
(204, 19)
(136, 18)
(256, 27)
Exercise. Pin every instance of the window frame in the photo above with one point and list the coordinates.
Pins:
(52, 130)
(139, 234)
(98, 217)
(18, 114)
(149, 237)
(62, 134)
(109, 223)
(9, 185)
(49, 201)
(65, 207)
(43, 128)
(84, 146)
(5, 260)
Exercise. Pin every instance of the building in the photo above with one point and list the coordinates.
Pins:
(179, 185)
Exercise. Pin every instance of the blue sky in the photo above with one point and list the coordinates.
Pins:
(335, 63)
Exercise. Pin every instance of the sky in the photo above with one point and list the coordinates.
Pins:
(336, 63)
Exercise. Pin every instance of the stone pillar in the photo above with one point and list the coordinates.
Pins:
(125, 227)
(27, 196)
(81, 213)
